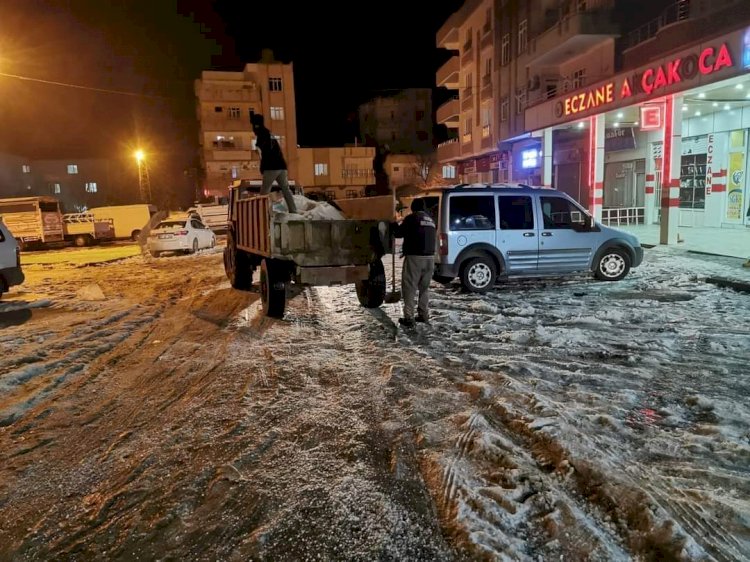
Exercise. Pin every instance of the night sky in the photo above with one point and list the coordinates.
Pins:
(159, 47)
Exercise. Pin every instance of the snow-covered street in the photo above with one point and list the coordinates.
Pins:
(149, 411)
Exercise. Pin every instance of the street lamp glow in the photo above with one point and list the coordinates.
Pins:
(139, 155)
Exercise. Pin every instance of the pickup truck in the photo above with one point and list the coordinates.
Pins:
(83, 229)
(294, 252)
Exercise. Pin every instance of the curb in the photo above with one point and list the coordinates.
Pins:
(740, 286)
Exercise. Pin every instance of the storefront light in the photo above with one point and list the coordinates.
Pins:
(740, 86)
(727, 107)
(715, 104)
(530, 158)
(697, 113)
(581, 125)
(620, 115)
(617, 125)
(684, 108)
(702, 95)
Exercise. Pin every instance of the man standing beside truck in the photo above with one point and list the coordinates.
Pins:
(272, 163)
(419, 234)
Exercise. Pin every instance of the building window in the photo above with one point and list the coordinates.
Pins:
(449, 172)
(505, 49)
(486, 120)
(277, 113)
(281, 139)
(235, 172)
(234, 113)
(504, 108)
(467, 44)
(422, 136)
(274, 84)
(579, 78)
(487, 68)
(72, 169)
(218, 109)
(224, 142)
(520, 100)
(469, 81)
(487, 21)
(352, 193)
(26, 169)
(330, 195)
(321, 169)
(523, 36)
(91, 187)
(420, 115)
(467, 128)
(55, 188)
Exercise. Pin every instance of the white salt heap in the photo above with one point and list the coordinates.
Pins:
(307, 209)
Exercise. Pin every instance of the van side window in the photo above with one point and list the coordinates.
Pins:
(560, 213)
(472, 212)
(516, 213)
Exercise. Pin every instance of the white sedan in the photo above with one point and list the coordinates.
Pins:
(189, 235)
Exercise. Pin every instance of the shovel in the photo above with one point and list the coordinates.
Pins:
(394, 295)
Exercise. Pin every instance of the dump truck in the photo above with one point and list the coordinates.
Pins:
(83, 229)
(295, 252)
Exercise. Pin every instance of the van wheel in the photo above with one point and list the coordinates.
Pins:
(134, 235)
(82, 240)
(272, 289)
(478, 275)
(613, 265)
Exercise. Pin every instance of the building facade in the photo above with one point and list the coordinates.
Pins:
(77, 183)
(336, 172)
(402, 121)
(225, 102)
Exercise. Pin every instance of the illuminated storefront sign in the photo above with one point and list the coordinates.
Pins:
(530, 158)
(650, 82)
(651, 117)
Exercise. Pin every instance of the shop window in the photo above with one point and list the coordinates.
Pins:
(472, 213)
(516, 213)
(560, 213)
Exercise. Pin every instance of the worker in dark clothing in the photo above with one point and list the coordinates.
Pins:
(272, 163)
(419, 234)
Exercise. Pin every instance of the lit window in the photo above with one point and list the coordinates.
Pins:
(72, 169)
(55, 188)
(26, 169)
(321, 169)
(274, 84)
(486, 120)
(449, 172)
(234, 113)
(530, 158)
(218, 109)
(467, 129)
(91, 187)
(235, 172)
(277, 113)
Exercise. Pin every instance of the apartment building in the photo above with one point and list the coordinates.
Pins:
(403, 121)
(225, 102)
(78, 183)
(507, 55)
(336, 172)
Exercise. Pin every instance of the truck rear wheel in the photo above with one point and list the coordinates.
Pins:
(273, 281)
(371, 291)
(237, 266)
(82, 240)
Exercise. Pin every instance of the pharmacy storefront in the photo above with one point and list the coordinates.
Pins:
(666, 144)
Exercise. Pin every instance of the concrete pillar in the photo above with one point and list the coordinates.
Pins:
(596, 165)
(547, 155)
(650, 188)
(671, 161)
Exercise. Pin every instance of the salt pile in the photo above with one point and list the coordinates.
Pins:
(307, 209)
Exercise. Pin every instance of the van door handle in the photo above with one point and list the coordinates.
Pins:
(546, 234)
(528, 234)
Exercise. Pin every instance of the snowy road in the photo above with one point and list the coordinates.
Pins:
(166, 418)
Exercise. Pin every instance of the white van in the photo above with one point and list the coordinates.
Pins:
(10, 260)
(128, 220)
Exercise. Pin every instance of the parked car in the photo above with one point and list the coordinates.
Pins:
(498, 231)
(188, 235)
(10, 260)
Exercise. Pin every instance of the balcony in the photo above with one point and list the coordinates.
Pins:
(566, 35)
(220, 125)
(447, 75)
(208, 92)
(234, 154)
(447, 114)
(448, 151)
(447, 36)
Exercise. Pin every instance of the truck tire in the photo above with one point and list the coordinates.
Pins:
(238, 268)
(82, 240)
(134, 235)
(273, 281)
(371, 291)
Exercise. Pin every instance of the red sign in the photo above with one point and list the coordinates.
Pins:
(650, 82)
(650, 117)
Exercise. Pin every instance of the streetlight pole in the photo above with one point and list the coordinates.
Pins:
(144, 182)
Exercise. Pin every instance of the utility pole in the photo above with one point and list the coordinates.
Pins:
(144, 182)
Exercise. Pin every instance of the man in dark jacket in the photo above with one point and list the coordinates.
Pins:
(419, 234)
(272, 163)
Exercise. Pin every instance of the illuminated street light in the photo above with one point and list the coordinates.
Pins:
(144, 182)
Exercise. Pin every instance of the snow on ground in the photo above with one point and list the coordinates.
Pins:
(549, 419)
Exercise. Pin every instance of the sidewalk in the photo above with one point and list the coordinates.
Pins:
(728, 242)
